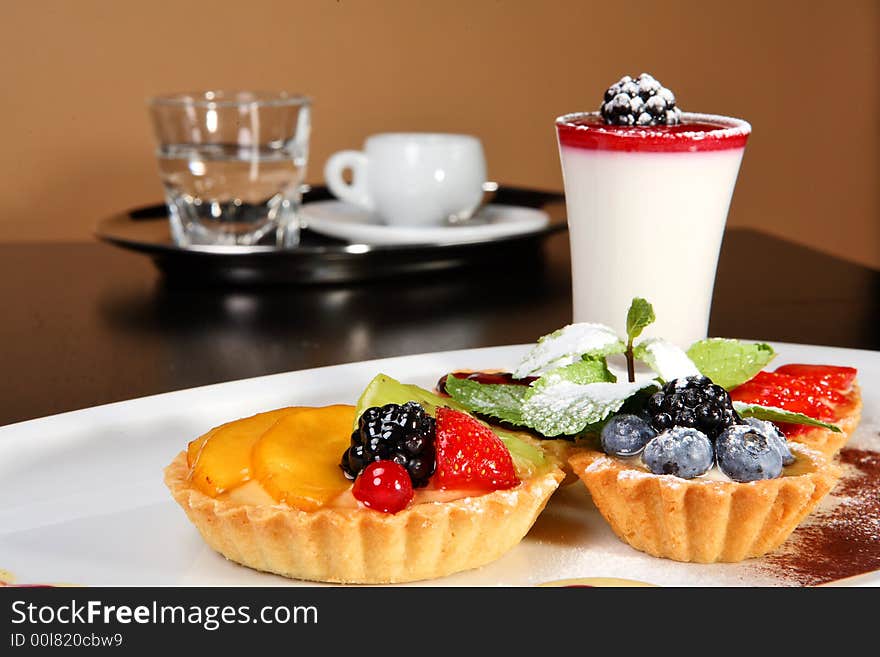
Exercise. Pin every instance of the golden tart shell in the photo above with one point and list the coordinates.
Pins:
(698, 520)
(356, 545)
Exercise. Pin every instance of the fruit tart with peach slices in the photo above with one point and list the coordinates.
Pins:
(405, 486)
(694, 455)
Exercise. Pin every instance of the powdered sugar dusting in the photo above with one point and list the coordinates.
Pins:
(667, 359)
(563, 407)
(566, 345)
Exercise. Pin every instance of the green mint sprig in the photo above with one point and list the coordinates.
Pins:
(639, 316)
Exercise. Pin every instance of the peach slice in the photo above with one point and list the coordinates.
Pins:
(221, 459)
(297, 459)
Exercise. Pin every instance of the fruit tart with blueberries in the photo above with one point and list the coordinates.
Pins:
(694, 455)
(405, 486)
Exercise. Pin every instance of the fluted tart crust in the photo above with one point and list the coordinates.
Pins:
(704, 520)
(357, 545)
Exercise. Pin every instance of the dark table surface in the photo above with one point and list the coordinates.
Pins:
(87, 323)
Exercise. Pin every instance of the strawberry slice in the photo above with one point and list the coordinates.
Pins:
(840, 379)
(470, 455)
(785, 391)
(819, 391)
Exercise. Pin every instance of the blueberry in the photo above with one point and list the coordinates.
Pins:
(626, 435)
(775, 436)
(746, 454)
(681, 451)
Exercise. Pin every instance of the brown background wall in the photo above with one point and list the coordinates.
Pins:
(76, 143)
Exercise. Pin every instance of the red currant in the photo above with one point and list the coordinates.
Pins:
(384, 486)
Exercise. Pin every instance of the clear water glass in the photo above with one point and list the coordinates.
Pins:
(232, 164)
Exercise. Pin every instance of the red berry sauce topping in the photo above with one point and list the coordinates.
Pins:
(384, 486)
(696, 133)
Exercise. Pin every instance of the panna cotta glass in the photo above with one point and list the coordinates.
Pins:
(646, 207)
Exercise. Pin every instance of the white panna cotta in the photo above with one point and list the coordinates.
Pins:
(646, 211)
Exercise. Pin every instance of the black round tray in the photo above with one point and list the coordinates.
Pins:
(320, 259)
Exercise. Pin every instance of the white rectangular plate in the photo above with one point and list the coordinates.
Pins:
(82, 499)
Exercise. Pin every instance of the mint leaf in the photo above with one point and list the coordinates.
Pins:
(730, 362)
(780, 415)
(567, 345)
(587, 370)
(561, 407)
(668, 360)
(639, 316)
(498, 400)
(569, 399)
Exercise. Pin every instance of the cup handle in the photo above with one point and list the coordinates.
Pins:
(356, 193)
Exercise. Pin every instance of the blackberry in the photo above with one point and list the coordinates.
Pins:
(692, 401)
(400, 433)
(643, 102)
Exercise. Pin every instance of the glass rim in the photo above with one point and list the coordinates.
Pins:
(729, 125)
(213, 98)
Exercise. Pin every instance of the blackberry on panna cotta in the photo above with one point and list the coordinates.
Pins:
(639, 102)
(404, 434)
(692, 401)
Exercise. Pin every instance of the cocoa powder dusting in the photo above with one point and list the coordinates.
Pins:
(842, 541)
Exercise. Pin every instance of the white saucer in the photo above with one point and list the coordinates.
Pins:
(351, 223)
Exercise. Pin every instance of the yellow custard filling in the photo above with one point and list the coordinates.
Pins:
(286, 456)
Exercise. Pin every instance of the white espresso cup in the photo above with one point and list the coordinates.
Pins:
(412, 178)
